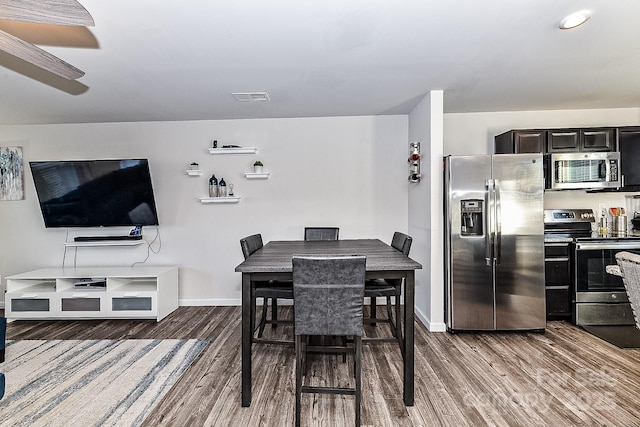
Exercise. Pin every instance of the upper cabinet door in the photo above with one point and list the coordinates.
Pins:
(588, 139)
(532, 141)
(570, 140)
(521, 141)
(598, 139)
(629, 146)
(563, 140)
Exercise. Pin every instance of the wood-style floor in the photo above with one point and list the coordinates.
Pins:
(562, 377)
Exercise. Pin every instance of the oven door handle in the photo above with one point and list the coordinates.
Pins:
(613, 245)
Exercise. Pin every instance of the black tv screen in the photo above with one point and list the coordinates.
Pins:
(95, 193)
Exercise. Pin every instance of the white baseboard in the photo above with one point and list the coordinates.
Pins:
(209, 302)
(431, 326)
(222, 302)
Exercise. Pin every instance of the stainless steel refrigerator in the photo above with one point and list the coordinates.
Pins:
(494, 242)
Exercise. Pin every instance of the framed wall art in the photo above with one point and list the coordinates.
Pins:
(11, 173)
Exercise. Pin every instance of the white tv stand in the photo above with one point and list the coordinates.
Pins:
(58, 293)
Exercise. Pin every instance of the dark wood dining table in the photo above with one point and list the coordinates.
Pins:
(273, 262)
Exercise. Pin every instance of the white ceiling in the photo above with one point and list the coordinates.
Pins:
(148, 60)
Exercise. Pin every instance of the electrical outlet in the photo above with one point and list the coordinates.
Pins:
(601, 209)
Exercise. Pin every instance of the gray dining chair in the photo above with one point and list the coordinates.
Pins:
(388, 288)
(328, 293)
(321, 233)
(629, 264)
(3, 336)
(3, 332)
(268, 291)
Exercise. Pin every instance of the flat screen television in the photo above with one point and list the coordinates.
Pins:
(95, 193)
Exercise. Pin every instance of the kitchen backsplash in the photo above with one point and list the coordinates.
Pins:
(578, 199)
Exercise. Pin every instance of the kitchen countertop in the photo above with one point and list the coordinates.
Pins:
(558, 239)
(632, 235)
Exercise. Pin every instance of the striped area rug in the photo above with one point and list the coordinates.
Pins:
(92, 382)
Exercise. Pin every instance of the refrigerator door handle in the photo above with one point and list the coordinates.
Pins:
(488, 221)
(498, 223)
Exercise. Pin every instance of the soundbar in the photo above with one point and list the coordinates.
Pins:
(102, 238)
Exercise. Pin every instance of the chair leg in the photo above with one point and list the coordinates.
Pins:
(372, 310)
(304, 353)
(390, 316)
(252, 317)
(299, 368)
(274, 312)
(399, 325)
(358, 367)
(263, 317)
(344, 353)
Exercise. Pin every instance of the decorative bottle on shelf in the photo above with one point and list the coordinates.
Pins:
(213, 186)
(222, 188)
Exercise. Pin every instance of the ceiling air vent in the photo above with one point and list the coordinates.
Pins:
(250, 96)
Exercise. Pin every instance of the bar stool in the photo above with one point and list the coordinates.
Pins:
(267, 290)
(328, 293)
(389, 288)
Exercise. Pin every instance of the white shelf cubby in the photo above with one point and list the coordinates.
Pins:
(128, 293)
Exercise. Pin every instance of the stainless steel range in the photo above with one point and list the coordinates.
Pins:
(598, 298)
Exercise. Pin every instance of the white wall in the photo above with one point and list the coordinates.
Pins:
(473, 133)
(425, 210)
(347, 171)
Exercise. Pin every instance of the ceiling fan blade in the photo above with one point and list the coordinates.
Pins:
(60, 12)
(38, 57)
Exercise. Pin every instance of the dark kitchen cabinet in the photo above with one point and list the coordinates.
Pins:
(629, 147)
(521, 141)
(563, 140)
(572, 140)
(568, 140)
(558, 283)
(598, 139)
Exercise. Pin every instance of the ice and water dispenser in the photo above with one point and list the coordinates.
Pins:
(471, 217)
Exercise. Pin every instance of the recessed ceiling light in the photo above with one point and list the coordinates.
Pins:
(575, 19)
(250, 96)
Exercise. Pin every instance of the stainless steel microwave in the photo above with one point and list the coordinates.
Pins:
(574, 171)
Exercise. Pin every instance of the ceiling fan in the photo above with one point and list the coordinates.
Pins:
(59, 12)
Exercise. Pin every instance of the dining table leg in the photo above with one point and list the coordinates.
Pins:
(246, 339)
(409, 304)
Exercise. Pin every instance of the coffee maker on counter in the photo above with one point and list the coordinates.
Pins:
(635, 221)
(633, 203)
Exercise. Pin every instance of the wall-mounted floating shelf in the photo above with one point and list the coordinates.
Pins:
(252, 175)
(193, 172)
(233, 150)
(105, 243)
(206, 200)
